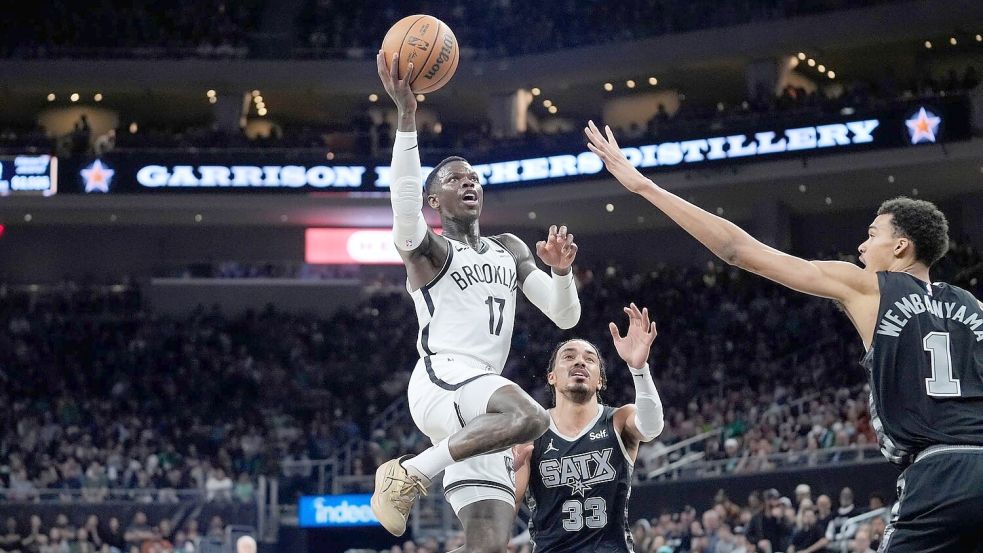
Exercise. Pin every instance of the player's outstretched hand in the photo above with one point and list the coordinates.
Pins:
(521, 454)
(558, 250)
(635, 346)
(606, 148)
(398, 89)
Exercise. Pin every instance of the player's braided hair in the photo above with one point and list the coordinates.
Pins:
(600, 361)
(922, 223)
(431, 181)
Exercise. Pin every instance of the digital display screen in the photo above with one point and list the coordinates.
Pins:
(28, 175)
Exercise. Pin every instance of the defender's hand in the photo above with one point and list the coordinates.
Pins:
(606, 148)
(558, 250)
(520, 454)
(635, 346)
(398, 89)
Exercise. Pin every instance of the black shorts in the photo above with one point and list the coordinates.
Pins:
(940, 504)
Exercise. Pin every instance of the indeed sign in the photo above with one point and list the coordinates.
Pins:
(323, 511)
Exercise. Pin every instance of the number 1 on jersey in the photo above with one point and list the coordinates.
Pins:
(942, 383)
(494, 328)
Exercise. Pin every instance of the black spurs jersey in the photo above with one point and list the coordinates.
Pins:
(579, 488)
(926, 367)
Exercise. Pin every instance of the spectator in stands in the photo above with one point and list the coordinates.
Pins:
(877, 527)
(218, 486)
(824, 511)
(11, 540)
(769, 529)
(91, 528)
(113, 536)
(246, 544)
(138, 531)
(31, 542)
(802, 493)
(216, 528)
(861, 541)
(808, 536)
(838, 528)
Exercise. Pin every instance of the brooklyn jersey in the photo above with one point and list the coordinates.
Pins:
(926, 367)
(469, 307)
(579, 488)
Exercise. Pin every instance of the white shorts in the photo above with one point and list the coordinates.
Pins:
(446, 392)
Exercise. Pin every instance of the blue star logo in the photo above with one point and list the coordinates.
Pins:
(97, 177)
(922, 126)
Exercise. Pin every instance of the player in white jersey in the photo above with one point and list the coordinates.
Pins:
(464, 287)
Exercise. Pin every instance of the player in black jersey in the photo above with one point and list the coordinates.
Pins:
(579, 473)
(924, 344)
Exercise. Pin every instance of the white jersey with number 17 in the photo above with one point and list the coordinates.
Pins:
(469, 307)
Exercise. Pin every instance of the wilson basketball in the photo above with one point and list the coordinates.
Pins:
(429, 44)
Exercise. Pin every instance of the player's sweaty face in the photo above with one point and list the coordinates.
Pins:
(877, 252)
(460, 192)
(577, 368)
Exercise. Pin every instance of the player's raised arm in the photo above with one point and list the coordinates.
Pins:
(520, 463)
(830, 279)
(410, 231)
(556, 297)
(643, 420)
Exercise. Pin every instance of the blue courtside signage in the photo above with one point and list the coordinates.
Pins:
(328, 511)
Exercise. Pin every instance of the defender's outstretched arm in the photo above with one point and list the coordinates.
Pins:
(829, 279)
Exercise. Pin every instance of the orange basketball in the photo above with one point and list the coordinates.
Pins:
(429, 44)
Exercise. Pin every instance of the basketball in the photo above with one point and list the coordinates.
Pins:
(429, 44)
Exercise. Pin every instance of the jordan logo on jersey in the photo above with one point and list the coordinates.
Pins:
(484, 273)
(578, 471)
(550, 447)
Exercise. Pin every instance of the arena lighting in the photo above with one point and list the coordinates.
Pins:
(952, 41)
(74, 97)
(255, 93)
(532, 215)
(261, 112)
(928, 44)
(979, 38)
(609, 208)
(1, 231)
(212, 100)
(258, 99)
(547, 103)
(802, 56)
(210, 94)
(630, 83)
(51, 96)
(821, 68)
(373, 97)
(831, 74)
(343, 246)
(811, 62)
(260, 105)
(608, 86)
(653, 81)
(420, 97)
(553, 109)
(536, 92)
(97, 97)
